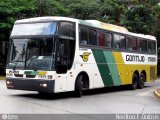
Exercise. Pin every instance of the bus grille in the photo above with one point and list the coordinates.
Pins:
(18, 75)
(30, 76)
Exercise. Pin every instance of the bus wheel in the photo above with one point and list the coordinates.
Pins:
(79, 86)
(134, 81)
(42, 93)
(142, 79)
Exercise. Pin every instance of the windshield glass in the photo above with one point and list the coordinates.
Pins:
(48, 28)
(36, 53)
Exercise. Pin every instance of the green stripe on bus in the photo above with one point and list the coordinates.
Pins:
(112, 67)
(103, 67)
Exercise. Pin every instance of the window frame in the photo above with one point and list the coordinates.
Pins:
(74, 25)
(142, 40)
(152, 52)
(128, 43)
(112, 41)
(79, 31)
(96, 36)
(125, 38)
(104, 32)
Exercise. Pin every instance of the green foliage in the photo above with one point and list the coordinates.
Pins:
(140, 16)
(10, 10)
(85, 9)
(139, 19)
(50, 8)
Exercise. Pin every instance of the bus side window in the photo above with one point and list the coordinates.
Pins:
(142, 45)
(122, 42)
(116, 41)
(101, 41)
(151, 46)
(83, 35)
(105, 39)
(67, 29)
(92, 37)
(132, 43)
(108, 40)
(119, 41)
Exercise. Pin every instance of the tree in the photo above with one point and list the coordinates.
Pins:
(139, 19)
(50, 8)
(84, 9)
(10, 11)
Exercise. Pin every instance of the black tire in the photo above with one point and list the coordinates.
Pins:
(135, 80)
(44, 93)
(79, 86)
(142, 79)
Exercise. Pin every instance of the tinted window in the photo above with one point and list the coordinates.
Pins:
(132, 43)
(92, 37)
(67, 29)
(119, 41)
(151, 46)
(48, 28)
(71, 53)
(101, 38)
(83, 35)
(104, 39)
(142, 45)
(108, 40)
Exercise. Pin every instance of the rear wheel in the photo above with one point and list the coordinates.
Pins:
(79, 86)
(142, 79)
(134, 81)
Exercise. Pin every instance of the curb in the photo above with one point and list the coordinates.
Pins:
(157, 92)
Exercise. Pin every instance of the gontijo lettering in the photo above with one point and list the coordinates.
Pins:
(135, 58)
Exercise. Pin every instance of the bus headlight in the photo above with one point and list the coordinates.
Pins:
(8, 82)
(44, 85)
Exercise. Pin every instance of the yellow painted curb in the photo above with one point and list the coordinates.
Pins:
(157, 93)
(2, 77)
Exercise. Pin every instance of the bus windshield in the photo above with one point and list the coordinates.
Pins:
(35, 53)
(28, 29)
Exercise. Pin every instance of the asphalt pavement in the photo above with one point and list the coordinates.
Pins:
(113, 100)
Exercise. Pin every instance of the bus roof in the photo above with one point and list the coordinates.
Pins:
(45, 19)
(90, 23)
(119, 29)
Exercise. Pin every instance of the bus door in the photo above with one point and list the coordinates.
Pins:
(61, 64)
(65, 51)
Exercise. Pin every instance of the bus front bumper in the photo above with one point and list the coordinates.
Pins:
(40, 85)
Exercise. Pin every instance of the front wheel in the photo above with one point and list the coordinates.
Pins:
(79, 86)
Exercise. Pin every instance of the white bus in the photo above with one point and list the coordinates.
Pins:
(59, 54)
